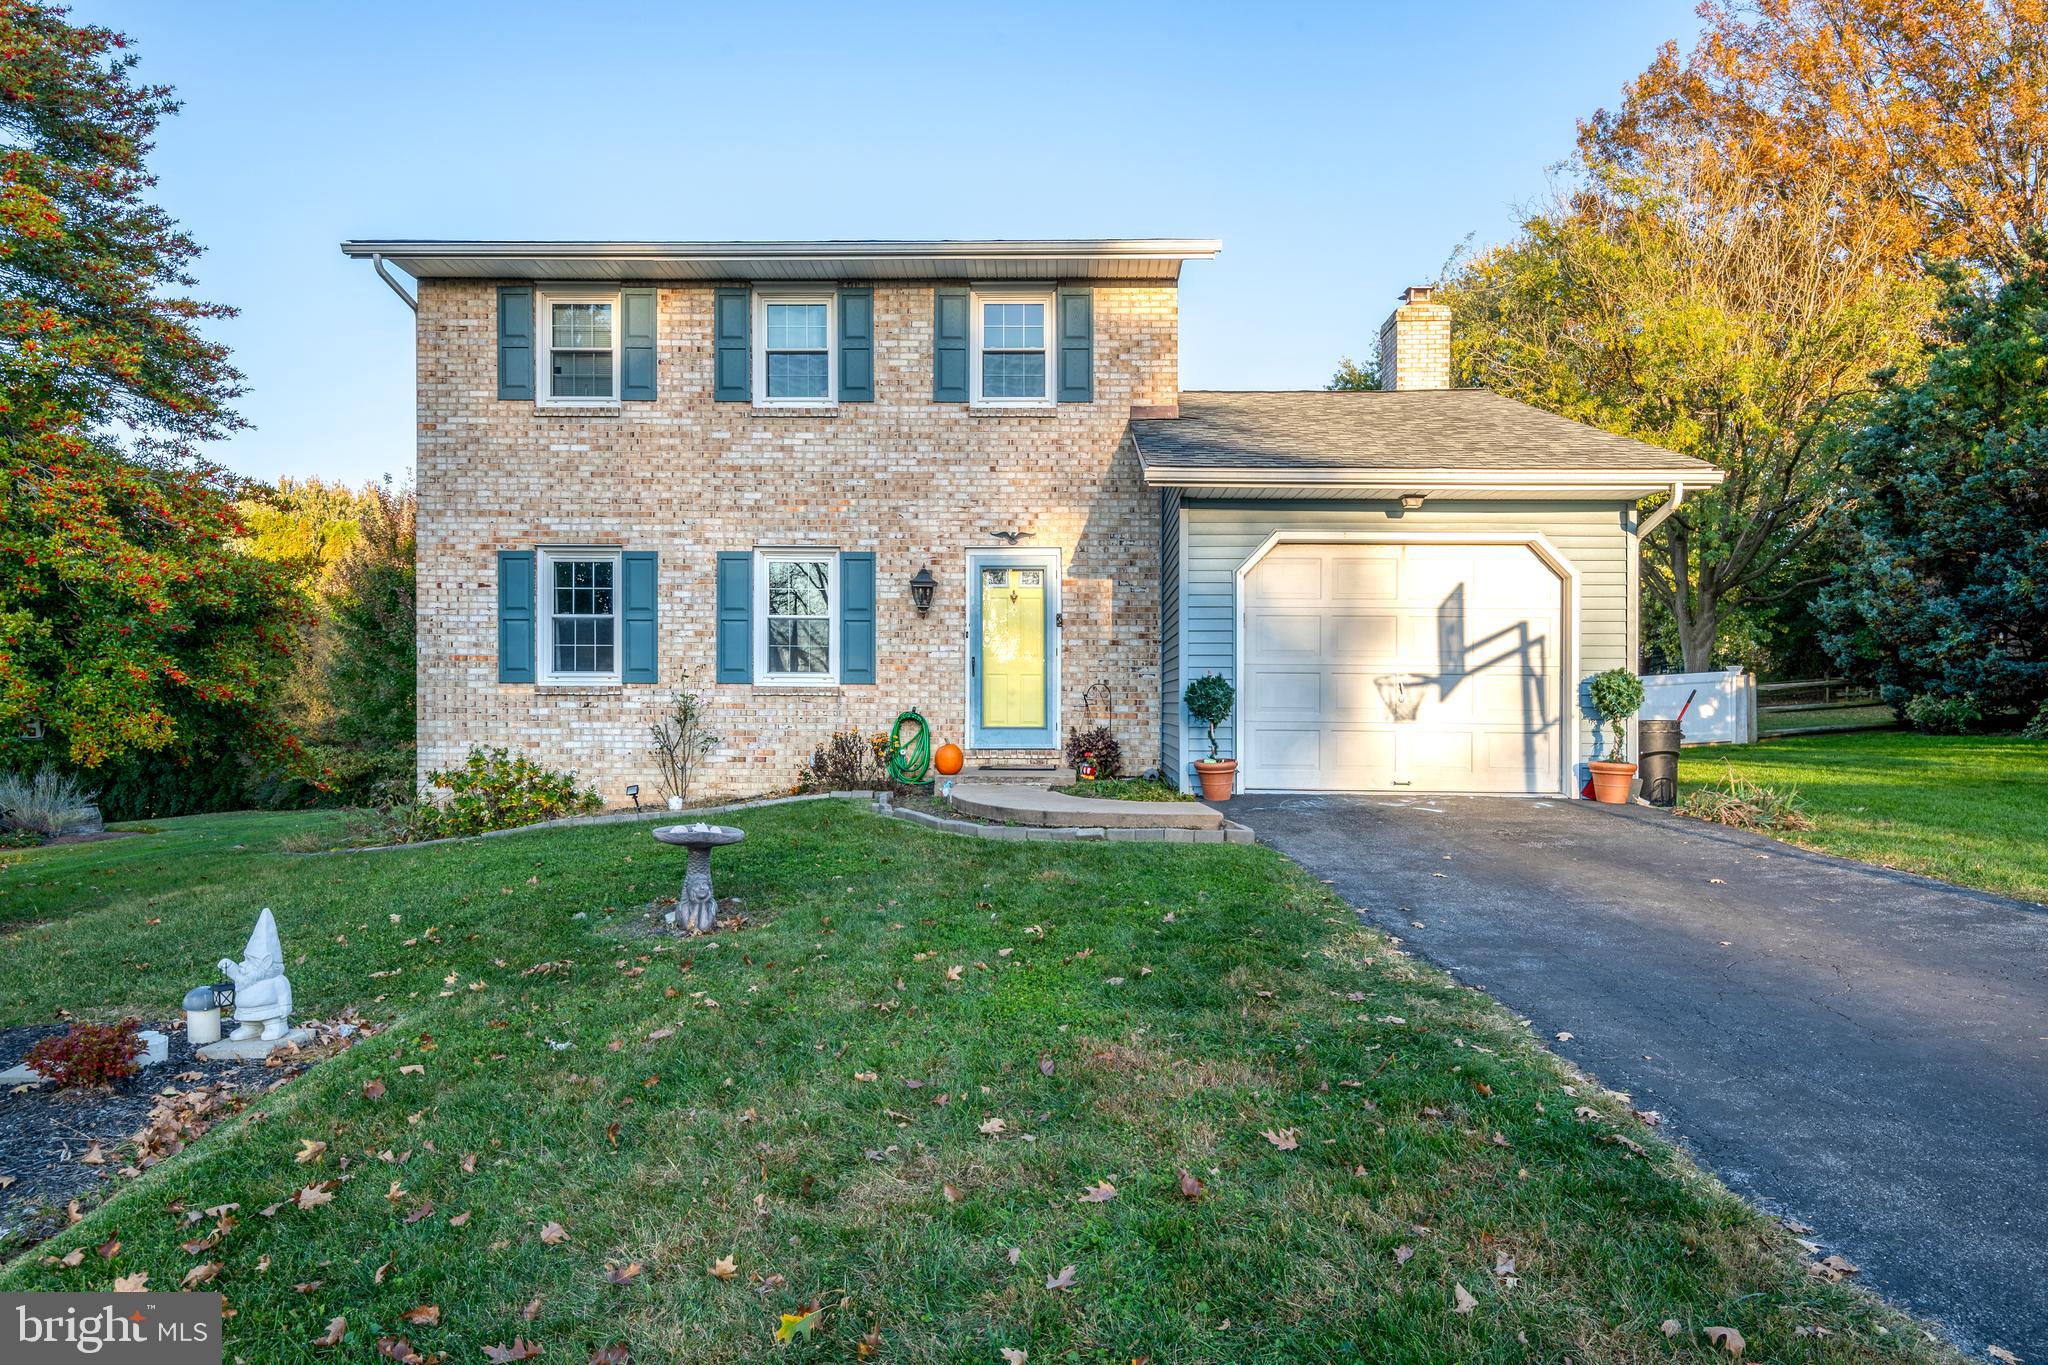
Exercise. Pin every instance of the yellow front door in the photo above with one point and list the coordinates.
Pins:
(1013, 649)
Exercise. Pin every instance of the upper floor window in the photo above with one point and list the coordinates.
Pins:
(580, 359)
(581, 599)
(794, 362)
(1012, 356)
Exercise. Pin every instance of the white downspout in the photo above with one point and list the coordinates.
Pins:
(377, 260)
(1657, 518)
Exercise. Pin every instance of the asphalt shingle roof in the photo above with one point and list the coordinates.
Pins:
(1411, 429)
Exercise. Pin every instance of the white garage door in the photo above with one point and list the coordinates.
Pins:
(1403, 667)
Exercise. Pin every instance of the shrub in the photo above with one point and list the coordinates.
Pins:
(1932, 715)
(1099, 746)
(681, 742)
(848, 761)
(1747, 805)
(1209, 699)
(89, 1054)
(46, 805)
(495, 789)
(1617, 695)
(2037, 728)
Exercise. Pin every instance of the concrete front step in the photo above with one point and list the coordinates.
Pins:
(1034, 805)
(1030, 777)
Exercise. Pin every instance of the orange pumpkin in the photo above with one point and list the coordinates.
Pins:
(948, 759)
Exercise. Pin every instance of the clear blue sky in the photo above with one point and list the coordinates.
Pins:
(1340, 153)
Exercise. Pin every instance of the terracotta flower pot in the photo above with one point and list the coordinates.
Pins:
(1217, 778)
(1611, 781)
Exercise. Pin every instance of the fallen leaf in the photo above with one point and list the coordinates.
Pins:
(1284, 1139)
(1403, 1255)
(93, 1156)
(459, 1219)
(991, 1127)
(614, 1354)
(309, 1150)
(796, 1325)
(621, 1274)
(1190, 1187)
(520, 1349)
(1462, 1301)
(1013, 1356)
(111, 1248)
(426, 1315)
(1063, 1280)
(952, 1193)
(953, 973)
(2001, 1355)
(866, 1076)
(1728, 1339)
(1101, 1192)
(1014, 1255)
(72, 1257)
(312, 1196)
(554, 1233)
(724, 1268)
(373, 1089)
(532, 1309)
(1669, 1327)
(132, 1284)
(200, 1274)
(337, 1328)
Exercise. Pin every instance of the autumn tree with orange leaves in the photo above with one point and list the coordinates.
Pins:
(130, 624)
(1932, 117)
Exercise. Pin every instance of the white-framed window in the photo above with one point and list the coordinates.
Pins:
(1012, 361)
(579, 603)
(795, 362)
(578, 355)
(796, 616)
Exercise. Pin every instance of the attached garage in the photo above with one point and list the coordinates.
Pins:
(1409, 589)
(1430, 664)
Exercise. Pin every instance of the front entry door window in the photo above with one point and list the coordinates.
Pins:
(1013, 649)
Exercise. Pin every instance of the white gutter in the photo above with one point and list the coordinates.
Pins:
(377, 260)
(1427, 480)
(1124, 248)
(1657, 518)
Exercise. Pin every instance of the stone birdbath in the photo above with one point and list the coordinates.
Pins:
(697, 908)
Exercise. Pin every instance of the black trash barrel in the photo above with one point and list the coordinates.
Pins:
(1658, 763)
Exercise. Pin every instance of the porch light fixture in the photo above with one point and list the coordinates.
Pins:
(1411, 502)
(922, 586)
(634, 792)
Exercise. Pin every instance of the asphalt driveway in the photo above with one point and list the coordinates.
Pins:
(1861, 1050)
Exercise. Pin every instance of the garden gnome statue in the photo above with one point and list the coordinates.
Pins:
(263, 998)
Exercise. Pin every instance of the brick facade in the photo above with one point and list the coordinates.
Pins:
(913, 481)
(1415, 343)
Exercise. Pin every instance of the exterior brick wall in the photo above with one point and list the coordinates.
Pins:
(913, 481)
(1415, 344)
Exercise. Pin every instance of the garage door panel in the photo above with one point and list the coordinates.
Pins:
(1360, 638)
(1287, 637)
(1367, 578)
(1474, 632)
(1289, 578)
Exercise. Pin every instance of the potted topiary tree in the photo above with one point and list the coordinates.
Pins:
(1209, 699)
(1617, 695)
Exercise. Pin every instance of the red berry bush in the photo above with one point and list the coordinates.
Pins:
(90, 1054)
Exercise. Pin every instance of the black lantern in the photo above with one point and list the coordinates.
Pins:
(922, 586)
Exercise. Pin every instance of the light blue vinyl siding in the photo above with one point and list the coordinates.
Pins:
(1169, 636)
(1221, 536)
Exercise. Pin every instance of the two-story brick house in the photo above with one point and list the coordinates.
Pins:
(642, 465)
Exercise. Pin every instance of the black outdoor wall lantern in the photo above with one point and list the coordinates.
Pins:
(922, 586)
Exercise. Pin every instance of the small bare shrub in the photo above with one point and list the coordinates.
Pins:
(46, 805)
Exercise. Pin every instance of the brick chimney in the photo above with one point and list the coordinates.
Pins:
(1415, 343)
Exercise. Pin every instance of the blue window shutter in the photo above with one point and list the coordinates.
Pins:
(733, 367)
(949, 344)
(735, 616)
(515, 616)
(1077, 345)
(640, 638)
(857, 618)
(515, 341)
(856, 345)
(636, 345)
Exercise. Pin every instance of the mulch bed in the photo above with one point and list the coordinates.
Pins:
(44, 1131)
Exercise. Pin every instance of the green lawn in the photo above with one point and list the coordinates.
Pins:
(1969, 810)
(1877, 714)
(1126, 789)
(816, 1096)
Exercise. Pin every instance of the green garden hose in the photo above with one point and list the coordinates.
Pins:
(910, 763)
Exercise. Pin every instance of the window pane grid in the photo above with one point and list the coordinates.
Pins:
(584, 616)
(580, 350)
(797, 341)
(1013, 350)
(799, 622)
